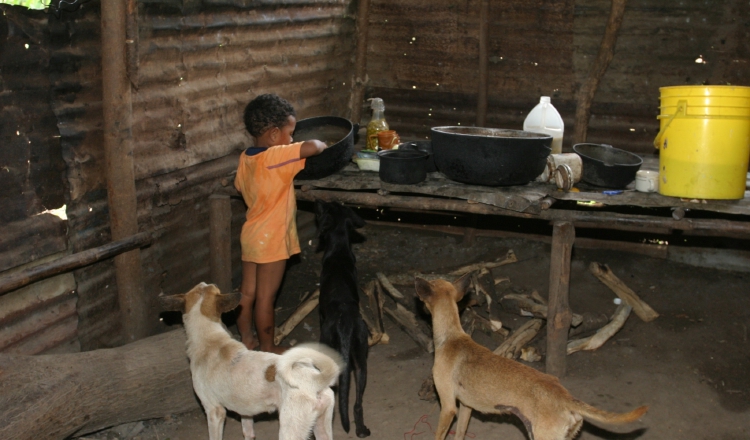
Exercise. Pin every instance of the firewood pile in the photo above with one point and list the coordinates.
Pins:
(394, 296)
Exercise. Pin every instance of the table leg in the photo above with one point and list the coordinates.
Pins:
(559, 314)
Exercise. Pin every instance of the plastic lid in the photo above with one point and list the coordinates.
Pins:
(544, 100)
(376, 104)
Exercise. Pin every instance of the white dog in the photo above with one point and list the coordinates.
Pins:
(228, 376)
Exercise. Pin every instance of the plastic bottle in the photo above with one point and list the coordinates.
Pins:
(544, 118)
(377, 123)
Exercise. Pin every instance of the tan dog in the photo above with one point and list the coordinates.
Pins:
(489, 383)
(226, 375)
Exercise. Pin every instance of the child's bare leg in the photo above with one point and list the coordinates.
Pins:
(245, 318)
(269, 276)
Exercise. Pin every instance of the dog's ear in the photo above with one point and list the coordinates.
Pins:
(172, 303)
(228, 301)
(423, 287)
(462, 285)
(357, 221)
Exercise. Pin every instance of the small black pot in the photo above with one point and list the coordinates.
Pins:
(406, 167)
(338, 133)
(425, 146)
(606, 166)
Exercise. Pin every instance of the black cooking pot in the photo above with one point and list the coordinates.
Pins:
(404, 167)
(336, 132)
(425, 146)
(490, 156)
(606, 166)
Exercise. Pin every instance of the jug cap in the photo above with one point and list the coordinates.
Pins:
(544, 100)
(377, 104)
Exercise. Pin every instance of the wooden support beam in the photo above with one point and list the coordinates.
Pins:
(484, 55)
(220, 250)
(118, 161)
(360, 76)
(559, 314)
(606, 52)
(9, 283)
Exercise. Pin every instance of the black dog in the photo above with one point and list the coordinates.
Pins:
(341, 325)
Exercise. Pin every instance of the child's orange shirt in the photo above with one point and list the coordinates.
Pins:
(265, 181)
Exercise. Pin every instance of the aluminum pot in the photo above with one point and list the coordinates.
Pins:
(490, 156)
(337, 133)
(403, 167)
(606, 166)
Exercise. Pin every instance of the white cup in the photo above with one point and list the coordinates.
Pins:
(647, 181)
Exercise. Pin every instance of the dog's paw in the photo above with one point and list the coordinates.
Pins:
(363, 432)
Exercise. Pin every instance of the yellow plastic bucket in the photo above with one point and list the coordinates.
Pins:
(704, 141)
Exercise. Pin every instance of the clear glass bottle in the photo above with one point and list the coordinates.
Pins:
(377, 123)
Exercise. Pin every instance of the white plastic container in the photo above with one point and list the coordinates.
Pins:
(544, 118)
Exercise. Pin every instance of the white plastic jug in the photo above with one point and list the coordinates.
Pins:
(544, 118)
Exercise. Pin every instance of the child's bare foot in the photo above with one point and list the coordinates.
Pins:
(251, 343)
(277, 349)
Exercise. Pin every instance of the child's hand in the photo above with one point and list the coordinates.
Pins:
(312, 147)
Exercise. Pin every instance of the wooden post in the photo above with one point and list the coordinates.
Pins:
(220, 252)
(118, 157)
(360, 76)
(559, 314)
(484, 9)
(606, 52)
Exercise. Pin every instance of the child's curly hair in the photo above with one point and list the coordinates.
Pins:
(265, 112)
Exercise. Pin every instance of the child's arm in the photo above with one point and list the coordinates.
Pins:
(311, 148)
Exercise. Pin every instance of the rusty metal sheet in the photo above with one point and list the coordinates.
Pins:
(40, 317)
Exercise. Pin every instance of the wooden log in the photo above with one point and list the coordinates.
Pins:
(484, 285)
(603, 334)
(606, 276)
(307, 306)
(606, 53)
(381, 301)
(512, 346)
(559, 315)
(220, 239)
(374, 324)
(408, 323)
(485, 325)
(525, 306)
(25, 277)
(407, 279)
(63, 395)
(590, 323)
(510, 257)
(395, 293)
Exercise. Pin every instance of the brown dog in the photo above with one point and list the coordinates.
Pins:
(489, 383)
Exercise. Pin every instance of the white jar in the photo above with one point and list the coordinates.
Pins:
(544, 118)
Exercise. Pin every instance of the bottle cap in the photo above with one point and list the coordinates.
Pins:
(545, 100)
(376, 104)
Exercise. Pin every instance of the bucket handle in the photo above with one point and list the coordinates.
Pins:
(681, 111)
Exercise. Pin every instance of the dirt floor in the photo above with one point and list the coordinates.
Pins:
(690, 365)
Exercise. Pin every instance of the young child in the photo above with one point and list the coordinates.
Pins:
(269, 235)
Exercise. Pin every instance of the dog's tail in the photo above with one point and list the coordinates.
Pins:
(599, 415)
(310, 364)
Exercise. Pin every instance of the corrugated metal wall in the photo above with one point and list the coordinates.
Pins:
(196, 63)
(423, 61)
(40, 318)
(195, 72)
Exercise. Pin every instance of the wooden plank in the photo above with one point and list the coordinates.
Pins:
(559, 314)
(220, 225)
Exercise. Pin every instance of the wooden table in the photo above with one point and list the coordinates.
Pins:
(537, 201)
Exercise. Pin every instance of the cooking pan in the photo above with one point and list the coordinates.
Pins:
(490, 156)
(404, 167)
(337, 133)
(606, 166)
(425, 146)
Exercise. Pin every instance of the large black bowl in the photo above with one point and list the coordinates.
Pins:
(336, 132)
(490, 156)
(606, 166)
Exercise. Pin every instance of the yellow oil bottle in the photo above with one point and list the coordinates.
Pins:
(376, 124)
